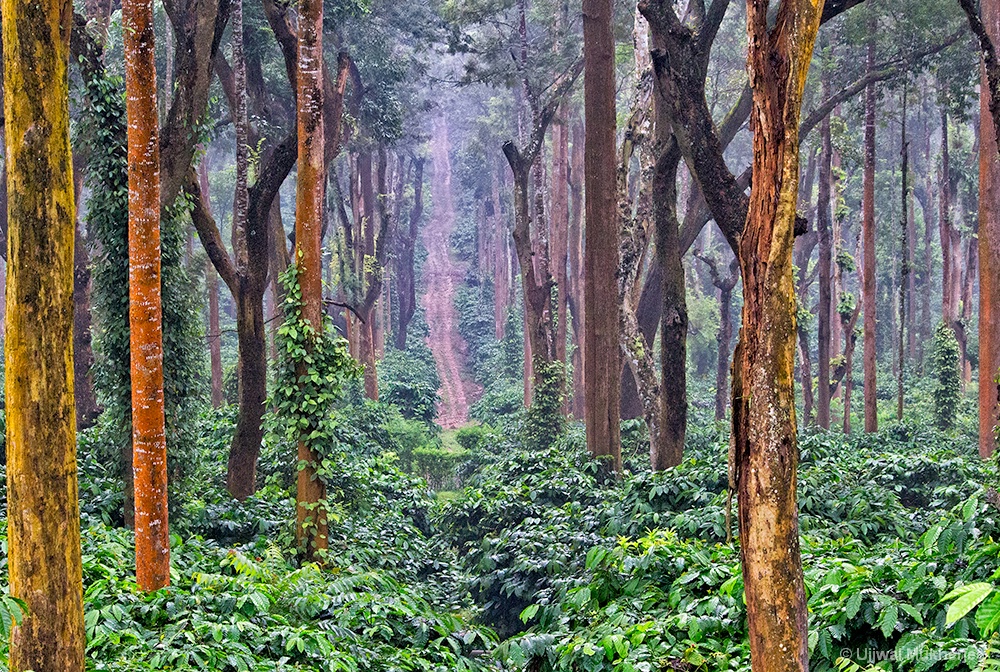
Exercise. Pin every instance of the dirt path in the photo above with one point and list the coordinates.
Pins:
(443, 276)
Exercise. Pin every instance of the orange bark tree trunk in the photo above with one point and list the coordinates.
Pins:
(764, 433)
(312, 527)
(149, 445)
(989, 251)
(43, 510)
(602, 362)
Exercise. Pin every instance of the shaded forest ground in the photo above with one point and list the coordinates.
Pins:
(443, 276)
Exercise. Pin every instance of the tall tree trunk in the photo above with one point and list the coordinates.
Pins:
(868, 236)
(989, 254)
(87, 409)
(241, 473)
(826, 309)
(764, 432)
(212, 287)
(149, 444)
(311, 518)
(558, 234)
(601, 255)
(576, 273)
(406, 296)
(969, 277)
(674, 318)
(836, 245)
(501, 262)
(944, 224)
(905, 279)
(43, 504)
(214, 335)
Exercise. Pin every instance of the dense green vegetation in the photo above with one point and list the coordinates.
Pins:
(539, 562)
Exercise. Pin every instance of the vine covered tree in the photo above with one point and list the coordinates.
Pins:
(311, 528)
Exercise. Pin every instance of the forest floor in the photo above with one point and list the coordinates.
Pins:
(443, 276)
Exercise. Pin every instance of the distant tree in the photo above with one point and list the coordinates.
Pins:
(764, 431)
(43, 525)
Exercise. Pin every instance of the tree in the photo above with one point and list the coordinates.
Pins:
(823, 225)
(987, 30)
(43, 525)
(764, 432)
(602, 369)
(149, 441)
(245, 272)
(311, 517)
(868, 237)
(406, 282)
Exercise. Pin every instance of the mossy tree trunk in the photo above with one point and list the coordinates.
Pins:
(764, 431)
(43, 515)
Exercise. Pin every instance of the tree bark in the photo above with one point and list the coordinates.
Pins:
(823, 223)
(989, 252)
(601, 254)
(868, 234)
(905, 284)
(559, 235)
(576, 273)
(764, 432)
(149, 445)
(87, 408)
(43, 503)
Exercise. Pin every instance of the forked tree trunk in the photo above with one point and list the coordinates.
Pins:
(601, 254)
(43, 503)
(868, 236)
(764, 432)
(149, 444)
(311, 528)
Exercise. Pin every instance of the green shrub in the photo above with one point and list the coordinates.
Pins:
(438, 465)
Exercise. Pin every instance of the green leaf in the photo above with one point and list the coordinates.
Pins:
(988, 616)
(528, 613)
(888, 619)
(967, 598)
(853, 604)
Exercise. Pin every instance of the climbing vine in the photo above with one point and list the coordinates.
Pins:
(311, 373)
(103, 130)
